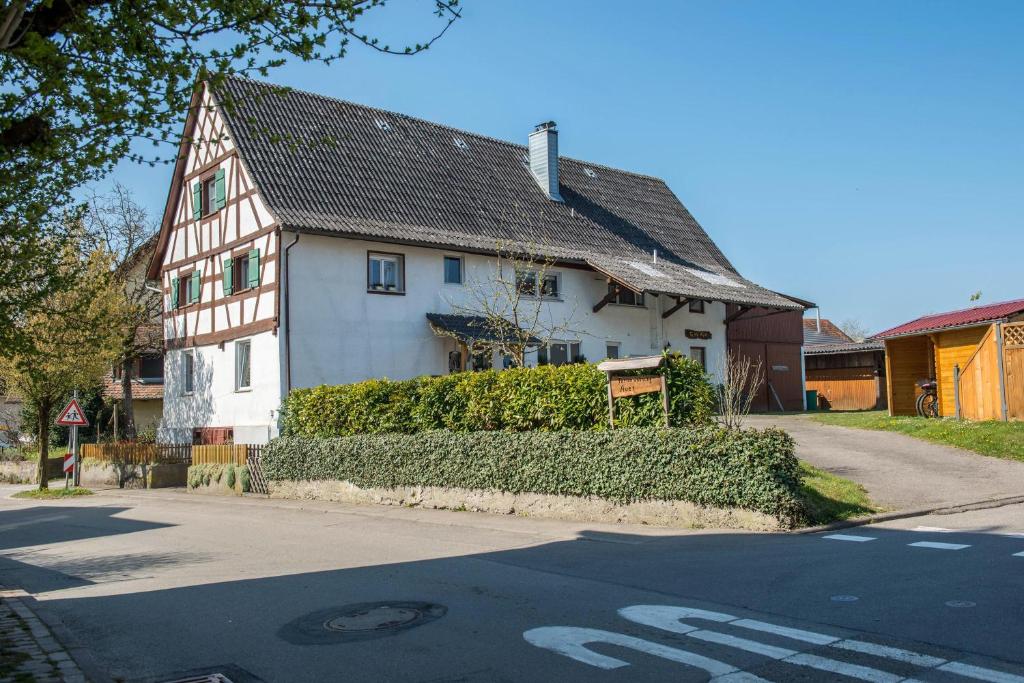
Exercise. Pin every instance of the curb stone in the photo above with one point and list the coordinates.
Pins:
(43, 657)
(945, 509)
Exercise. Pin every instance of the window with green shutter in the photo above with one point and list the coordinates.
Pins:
(174, 292)
(254, 268)
(196, 287)
(197, 200)
(228, 279)
(220, 193)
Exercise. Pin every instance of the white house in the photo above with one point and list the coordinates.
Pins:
(309, 241)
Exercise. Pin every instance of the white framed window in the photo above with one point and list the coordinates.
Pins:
(696, 306)
(550, 284)
(625, 297)
(612, 350)
(453, 270)
(188, 372)
(385, 273)
(699, 354)
(243, 365)
(559, 353)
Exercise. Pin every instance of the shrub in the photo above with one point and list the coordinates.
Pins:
(230, 474)
(548, 398)
(708, 466)
(244, 479)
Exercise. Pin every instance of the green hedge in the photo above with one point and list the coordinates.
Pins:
(756, 470)
(548, 398)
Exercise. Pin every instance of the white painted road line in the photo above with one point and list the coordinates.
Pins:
(37, 520)
(893, 653)
(978, 673)
(845, 537)
(1018, 554)
(864, 673)
(934, 529)
(939, 546)
(786, 632)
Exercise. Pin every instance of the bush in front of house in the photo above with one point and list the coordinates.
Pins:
(709, 466)
(548, 398)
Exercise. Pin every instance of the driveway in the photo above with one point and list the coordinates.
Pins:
(899, 471)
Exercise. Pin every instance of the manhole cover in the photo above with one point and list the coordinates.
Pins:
(360, 621)
(372, 619)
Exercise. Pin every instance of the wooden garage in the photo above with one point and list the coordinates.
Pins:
(973, 355)
(847, 376)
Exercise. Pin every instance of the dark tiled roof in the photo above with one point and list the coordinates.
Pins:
(469, 328)
(848, 347)
(979, 315)
(330, 166)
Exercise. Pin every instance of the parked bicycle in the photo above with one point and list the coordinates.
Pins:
(928, 400)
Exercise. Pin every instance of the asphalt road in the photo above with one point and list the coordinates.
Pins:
(157, 583)
(900, 472)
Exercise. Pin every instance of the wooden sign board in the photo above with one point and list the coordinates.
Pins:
(698, 334)
(632, 386)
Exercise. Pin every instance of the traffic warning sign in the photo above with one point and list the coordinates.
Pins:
(72, 415)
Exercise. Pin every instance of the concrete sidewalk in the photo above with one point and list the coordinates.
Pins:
(899, 471)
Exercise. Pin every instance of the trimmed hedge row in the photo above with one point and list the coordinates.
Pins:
(756, 470)
(549, 398)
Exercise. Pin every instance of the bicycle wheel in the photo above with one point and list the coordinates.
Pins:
(929, 405)
(919, 405)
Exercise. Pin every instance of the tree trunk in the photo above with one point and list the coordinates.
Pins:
(44, 442)
(126, 401)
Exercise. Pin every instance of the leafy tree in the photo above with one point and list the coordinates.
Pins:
(117, 224)
(73, 340)
(80, 80)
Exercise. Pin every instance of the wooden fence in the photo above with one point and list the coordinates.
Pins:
(138, 453)
(990, 385)
(221, 454)
(847, 388)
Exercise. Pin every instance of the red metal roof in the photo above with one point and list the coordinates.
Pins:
(965, 318)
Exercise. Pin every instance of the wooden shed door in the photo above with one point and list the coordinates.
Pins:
(756, 353)
(782, 369)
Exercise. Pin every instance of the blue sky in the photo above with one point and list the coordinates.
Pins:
(868, 155)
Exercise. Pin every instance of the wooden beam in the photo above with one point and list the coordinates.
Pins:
(741, 311)
(680, 302)
(608, 298)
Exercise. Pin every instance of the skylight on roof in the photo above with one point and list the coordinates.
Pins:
(714, 278)
(646, 269)
(382, 124)
(460, 143)
(590, 172)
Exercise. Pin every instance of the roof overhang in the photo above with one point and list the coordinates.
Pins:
(936, 330)
(476, 329)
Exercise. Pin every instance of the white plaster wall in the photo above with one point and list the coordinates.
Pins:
(214, 402)
(341, 333)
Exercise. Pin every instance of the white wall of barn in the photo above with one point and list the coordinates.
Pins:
(341, 333)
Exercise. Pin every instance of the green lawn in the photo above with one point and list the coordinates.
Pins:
(830, 498)
(997, 439)
(53, 492)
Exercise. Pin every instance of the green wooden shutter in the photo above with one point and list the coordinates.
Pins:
(227, 276)
(195, 288)
(254, 268)
(197, 200)
(174, 292)
(220, 193)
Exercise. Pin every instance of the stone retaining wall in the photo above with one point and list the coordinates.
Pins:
(103, 473)
(24, 471)
(591, 509)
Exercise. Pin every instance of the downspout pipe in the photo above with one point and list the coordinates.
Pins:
(287, 318)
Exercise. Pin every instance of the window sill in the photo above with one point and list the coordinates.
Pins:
(384, 291)
(243, 390)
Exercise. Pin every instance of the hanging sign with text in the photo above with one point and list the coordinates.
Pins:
(698, 334)
(632, 386)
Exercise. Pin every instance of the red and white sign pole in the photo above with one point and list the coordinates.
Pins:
(74, 417)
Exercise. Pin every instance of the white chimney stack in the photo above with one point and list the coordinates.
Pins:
(544, 158)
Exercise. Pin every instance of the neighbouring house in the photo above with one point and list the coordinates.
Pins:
(773, 339)
(846, 374)
(308, 240)
(975, 355)
(147, 380)
(10, 420)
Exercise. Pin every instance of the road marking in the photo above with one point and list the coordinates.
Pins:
(864, 673)
(978, 673)
(742, 644)
(939, 546)
(37, 520)
(845, 537)
(785, 631)
(571, 641)
(893, 653)
(934, 529)
(1018, 554)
